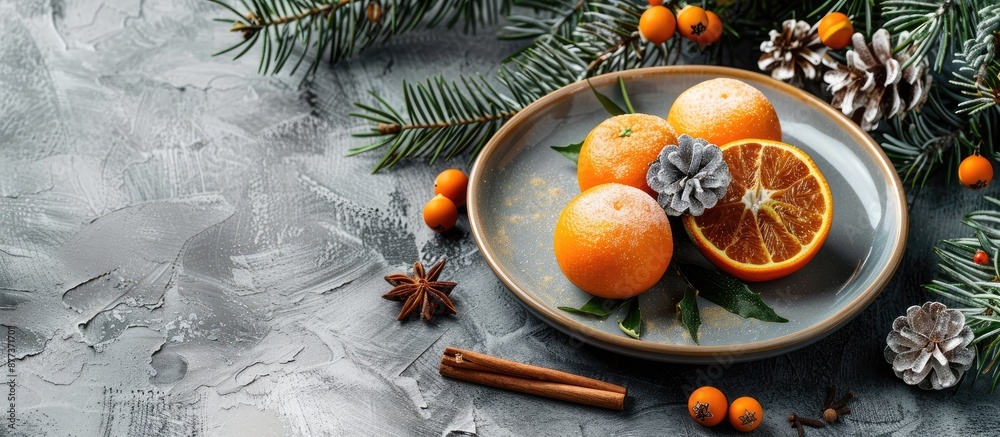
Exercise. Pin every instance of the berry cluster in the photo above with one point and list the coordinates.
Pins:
(450, 187)
(708, 406)
(658, 24)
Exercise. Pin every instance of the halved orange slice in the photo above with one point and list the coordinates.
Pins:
(774, 217)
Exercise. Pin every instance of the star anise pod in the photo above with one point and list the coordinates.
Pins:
(421, 290)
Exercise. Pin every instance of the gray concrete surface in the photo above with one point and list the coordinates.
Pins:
(185, 250)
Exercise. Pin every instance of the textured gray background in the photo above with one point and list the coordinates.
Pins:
(185, 250)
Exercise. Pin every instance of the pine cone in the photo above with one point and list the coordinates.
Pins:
(929, 346)
(689, 177)
(795, 53)
(873, 80)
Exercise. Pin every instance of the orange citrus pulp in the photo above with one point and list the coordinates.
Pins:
(774, 217)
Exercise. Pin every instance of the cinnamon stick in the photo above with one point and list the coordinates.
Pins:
(500, 365)
(496, 372)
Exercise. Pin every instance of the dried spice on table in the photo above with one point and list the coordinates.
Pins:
(831, 410)
(422, 290)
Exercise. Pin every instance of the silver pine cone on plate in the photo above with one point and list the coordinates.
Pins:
(873, 85)
(795, 53)
(929, 346)
(689, 177)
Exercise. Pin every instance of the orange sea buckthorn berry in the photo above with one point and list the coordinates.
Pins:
(656, 2)
(657, 24)
(440, 214)
(975, 172)
(707, 406)
(745, 414)
(692, 22)
(714, 31)
(835, 30)
(453, 184)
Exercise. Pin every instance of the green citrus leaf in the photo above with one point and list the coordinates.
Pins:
(597, 306)
(571, 152)
(687, 309)
(628, 103)
(633, 320)
(607, 103)
(729, 293)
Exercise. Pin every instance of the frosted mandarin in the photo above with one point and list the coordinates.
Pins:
(724, 110)
(613, 241)
(620, 150)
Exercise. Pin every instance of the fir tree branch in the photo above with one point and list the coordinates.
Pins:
(978, 74)
(981, 49)
(976, 287)
(610, 36)
(337, 29)
(934, 27)
(980, 86)
(857, 9)
(936, 136)
(444, 119)
(576, 39)
(562, 19)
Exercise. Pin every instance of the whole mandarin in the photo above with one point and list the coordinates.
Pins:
(724, 110)
(620, 150)
(613, 241)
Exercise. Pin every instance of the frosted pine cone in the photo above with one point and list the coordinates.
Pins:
(795, 53)
(689, 177)
(873, 80)
(929, 346)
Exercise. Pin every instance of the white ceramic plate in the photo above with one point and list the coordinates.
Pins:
(518, 187)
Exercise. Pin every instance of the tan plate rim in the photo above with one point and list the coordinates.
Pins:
(666, 351)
